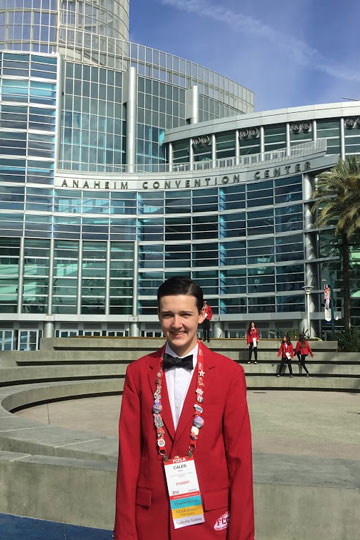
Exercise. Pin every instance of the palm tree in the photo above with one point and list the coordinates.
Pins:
(337, 201)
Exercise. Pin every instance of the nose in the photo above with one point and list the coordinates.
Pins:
(177, 322)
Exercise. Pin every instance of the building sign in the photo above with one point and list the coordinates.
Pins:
(190, 180)
(285, 170)
(177, 183)
(327, 303)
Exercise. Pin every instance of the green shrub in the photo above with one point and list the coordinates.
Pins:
(349, 340)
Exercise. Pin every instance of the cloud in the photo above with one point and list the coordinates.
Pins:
(300, 52)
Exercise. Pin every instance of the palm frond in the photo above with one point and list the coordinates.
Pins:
(337, 197)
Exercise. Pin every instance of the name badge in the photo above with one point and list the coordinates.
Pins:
(184, 493)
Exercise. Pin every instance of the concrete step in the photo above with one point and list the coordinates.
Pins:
(26, 436)
(152, 344)
(45, 372)
(124, 357)
(321, 369)
(300, 382)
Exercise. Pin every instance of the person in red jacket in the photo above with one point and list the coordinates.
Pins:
(207, 311)
(286, 351)
(302, 350)
(185, 460)
(252, 337)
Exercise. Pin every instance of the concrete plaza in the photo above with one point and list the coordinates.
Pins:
(306, 437)
(298, 423)
(306, 448)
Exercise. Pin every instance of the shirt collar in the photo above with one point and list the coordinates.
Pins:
(194, 352)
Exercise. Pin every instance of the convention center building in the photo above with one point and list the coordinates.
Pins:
(122, 165)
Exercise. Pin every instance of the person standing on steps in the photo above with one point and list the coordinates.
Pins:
(206, 323)
(252, 337)
(286, 352)
(185, 459)
(302, 350)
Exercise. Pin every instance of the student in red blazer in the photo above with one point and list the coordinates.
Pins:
(252, 337)
(302, 350)
(286, 351)
(208, 313)
(222, 456)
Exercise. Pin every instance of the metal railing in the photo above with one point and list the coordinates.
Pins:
(283, 154)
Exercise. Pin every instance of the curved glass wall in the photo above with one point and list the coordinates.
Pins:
(93, 132)
(43, 25)
(28, 105)
(29, 25)
(273, 138)
(96, 33)
(106, 18)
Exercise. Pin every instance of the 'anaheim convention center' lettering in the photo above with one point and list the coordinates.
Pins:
(181, 183)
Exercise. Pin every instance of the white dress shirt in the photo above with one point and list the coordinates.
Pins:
(178, 381)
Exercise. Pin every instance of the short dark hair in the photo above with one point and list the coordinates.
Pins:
(181, 285)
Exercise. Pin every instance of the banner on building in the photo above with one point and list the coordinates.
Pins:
(327, 303)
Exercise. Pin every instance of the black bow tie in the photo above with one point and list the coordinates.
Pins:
(173, 361)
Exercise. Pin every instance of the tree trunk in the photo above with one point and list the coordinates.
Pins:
(346, 278)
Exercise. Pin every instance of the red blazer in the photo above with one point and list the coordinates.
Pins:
(209, 312)
(250, 334)
(283, 350)
(304, 350)
(223, 455)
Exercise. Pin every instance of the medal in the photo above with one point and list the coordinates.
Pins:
(194, 431)
(198, 421)
(158, 421)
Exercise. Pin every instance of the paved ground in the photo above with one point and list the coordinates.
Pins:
(14, 528)
(308, 427)
(318, 424)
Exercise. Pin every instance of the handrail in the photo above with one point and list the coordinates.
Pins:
(282, 154)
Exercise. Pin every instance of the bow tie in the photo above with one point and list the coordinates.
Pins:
(173, 361)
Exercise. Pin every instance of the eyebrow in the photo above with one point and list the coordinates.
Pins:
(185, 312)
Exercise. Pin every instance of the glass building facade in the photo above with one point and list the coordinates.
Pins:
(122, 165)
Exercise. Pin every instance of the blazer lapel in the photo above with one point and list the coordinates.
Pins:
(166, 411)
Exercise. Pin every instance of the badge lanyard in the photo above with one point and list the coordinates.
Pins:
(198, 420)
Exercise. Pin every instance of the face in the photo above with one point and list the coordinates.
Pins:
(252, 325)
(179, 318)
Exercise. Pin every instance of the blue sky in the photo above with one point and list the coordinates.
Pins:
(289, 52)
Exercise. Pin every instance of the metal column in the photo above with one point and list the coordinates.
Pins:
(21, 275)
(130, 90)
